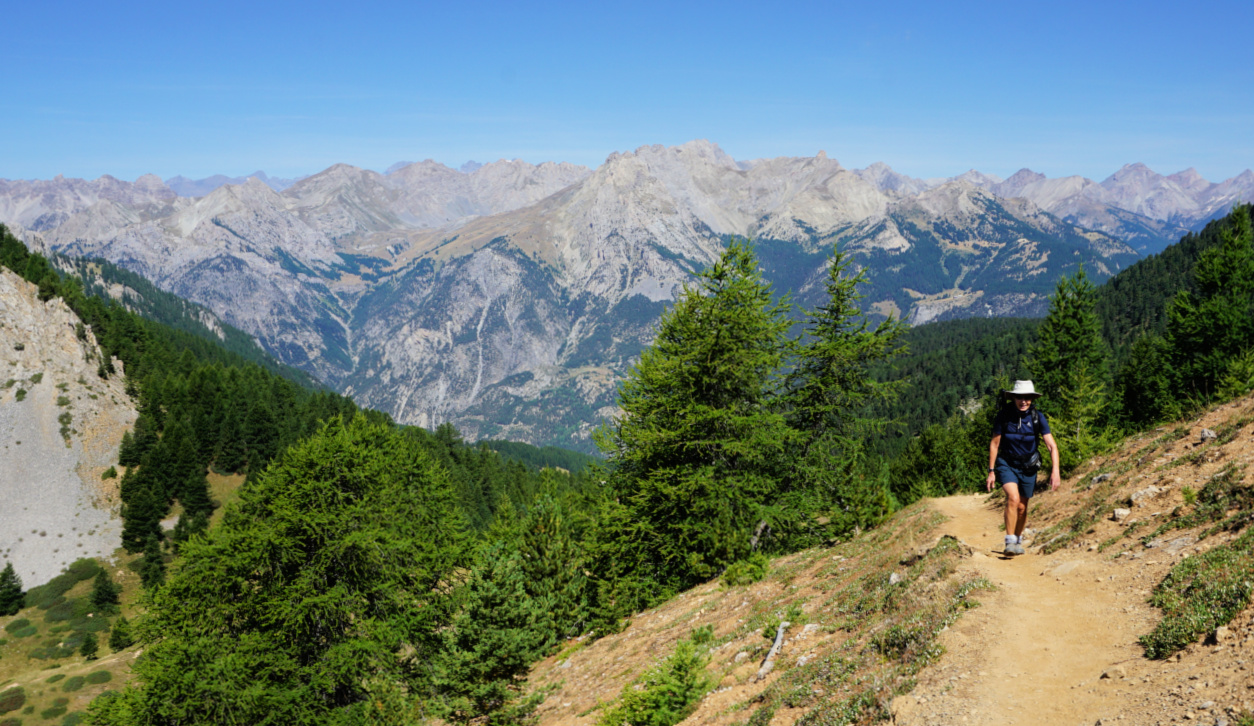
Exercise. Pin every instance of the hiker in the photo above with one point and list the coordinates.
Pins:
(1014, 459)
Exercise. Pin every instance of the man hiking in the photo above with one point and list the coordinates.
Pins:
(1014, 459)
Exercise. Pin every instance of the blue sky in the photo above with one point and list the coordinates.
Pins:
(931, 88)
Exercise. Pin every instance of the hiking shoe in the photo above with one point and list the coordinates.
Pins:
(1014, 549)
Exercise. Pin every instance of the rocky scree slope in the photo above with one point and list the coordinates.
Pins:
(508, 299)
(60, 428)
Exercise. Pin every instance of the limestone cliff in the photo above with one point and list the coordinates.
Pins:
(60, 427)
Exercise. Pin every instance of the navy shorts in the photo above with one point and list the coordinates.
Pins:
(1007, 473)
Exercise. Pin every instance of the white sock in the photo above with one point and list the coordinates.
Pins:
(1010, 539)
(1019, 539)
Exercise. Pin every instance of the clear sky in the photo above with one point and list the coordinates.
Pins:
(931, 88)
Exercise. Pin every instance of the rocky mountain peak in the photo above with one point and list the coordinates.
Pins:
(883, 177)
(1190, 180)
(1136, 173)
(151, 185)
(979, 179)
(1014, 186)
(959, 198)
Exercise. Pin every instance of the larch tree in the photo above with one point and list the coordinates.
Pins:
(698, 455)
(829, 391)
(321, 598)
(1209, 329)
(1068, 365)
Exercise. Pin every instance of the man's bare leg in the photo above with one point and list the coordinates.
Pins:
(1013, 507)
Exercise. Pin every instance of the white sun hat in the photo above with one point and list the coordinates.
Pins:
(1022, 388)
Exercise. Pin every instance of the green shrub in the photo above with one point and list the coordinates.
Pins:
(74, 684)
(53, 712)
(37, 377)
(747, 571)
(74, 718)
(57, 677)
(14, 721)
(17, 625)
(63, 400)
(110, 473)
(12, 699)
(97, 677)
(83, 569)
(84, 624)
(51, 593)
(666, 694)
(1189, 494)
(68, 610)
(1201, 593)
(20, 395)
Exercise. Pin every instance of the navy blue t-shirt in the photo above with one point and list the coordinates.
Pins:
(1018, 439)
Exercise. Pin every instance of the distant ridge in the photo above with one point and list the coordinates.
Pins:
(185, 187)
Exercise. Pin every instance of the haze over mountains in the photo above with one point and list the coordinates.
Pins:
(509, 297)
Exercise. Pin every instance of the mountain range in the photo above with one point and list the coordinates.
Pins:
(509, 298)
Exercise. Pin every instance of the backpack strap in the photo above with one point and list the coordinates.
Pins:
(1036, 428)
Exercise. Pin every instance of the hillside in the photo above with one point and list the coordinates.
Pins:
(61, 425)
(923, 621)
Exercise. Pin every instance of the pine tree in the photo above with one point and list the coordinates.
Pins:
(698, 456)
(231, 454)
(1068, 365)
(194, 494)
(189, 525)
(120, 637)
(11, 597)
(828, 393)
(1069, 342)
(141, 517)
(89, 647)
(494, 639)
(1209, 329)
(553, 563)
(105, 593)
(1145, 382)
(152, 569)
(831, 384)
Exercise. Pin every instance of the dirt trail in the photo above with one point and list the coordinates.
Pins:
(1036, 651)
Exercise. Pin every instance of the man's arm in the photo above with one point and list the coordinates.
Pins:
(1055, 479)
(993, 446)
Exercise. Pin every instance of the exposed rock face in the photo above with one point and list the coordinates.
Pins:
(57, 440)
(43, 205)
(509, 297)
